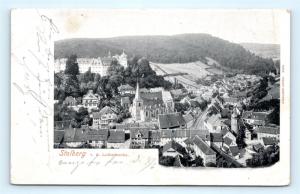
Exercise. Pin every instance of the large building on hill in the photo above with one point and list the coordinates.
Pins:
(97, 65)
(147, 106)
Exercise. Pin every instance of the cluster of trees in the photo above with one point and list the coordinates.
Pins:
(265, 157)
(171, 49)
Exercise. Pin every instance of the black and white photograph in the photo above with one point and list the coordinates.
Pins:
(150, 97)
(203, 93)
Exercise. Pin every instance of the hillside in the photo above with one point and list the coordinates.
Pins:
(181, 48)
(263, 50)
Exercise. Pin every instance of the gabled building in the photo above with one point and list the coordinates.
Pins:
(105, 116)
(171, 121)
(97, 138)
(268, 132)
(173, 149)
(70, 101)
(116, 139)
(139, 138)
(203, 150)
(91, 100)
(126, 89)
(256, 118)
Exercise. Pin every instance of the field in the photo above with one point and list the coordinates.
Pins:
(194, 70)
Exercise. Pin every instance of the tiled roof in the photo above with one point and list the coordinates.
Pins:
(255, 115)
(234, 150)
(58, 136)
(173, 144)
(170, 120)
(269, 130)
(216, 137)
(80, 135)
(270, 140)
(188, 118)
(125, 87)
(203, 146)
(69, 134)
(227, 141)
(97, 135)
(105, 110)
(144, 133)
(154, 134)
(258, 146)
(116, 136)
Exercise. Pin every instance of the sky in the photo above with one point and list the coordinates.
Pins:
(253, 26)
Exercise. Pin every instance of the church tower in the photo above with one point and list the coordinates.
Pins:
(137, 105)
(234, 121)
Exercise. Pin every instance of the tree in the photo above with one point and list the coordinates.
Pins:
(72, 66)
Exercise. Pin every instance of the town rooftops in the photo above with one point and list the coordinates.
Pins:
(216, 137)
(142, 133)
(269, 130)
(234, 150)
(215, 120)
(126, 87)
(69, 100)
(69, 135)
(103, 111)
(90, 95)
(173, 145)
(227, 141)
(270, 140)
(255, 115)
(58, 136)
(188, 117)
(172, 120)
(62, 124)
(203, 146)
(116, 136)
(97, 135)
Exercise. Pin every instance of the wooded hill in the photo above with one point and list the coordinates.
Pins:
(181, 48)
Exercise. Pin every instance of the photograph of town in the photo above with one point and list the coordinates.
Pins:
(202, 101)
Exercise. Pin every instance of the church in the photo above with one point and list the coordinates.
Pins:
(147, 106)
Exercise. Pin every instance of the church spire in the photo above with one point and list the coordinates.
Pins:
(137, 93)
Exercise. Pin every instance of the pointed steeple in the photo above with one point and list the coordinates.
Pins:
(137, 92)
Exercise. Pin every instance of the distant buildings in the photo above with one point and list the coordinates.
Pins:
(97, 65)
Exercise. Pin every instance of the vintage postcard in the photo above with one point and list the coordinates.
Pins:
(150, 97)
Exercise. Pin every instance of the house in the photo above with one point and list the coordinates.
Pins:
(257, 147)
(203, 150)
(171, 121)
(97, 138)
(58, 137)
(176, 93)
(228, 142)
(105, 116)
(268, 131)
(70, 101)
(216, 139)
(125, 102)
(189, 120)
(231, 100)
(139, 138)
(267, 141)
(215, 124)
(154, 137)
(234, 152)
(173, 149)
(256, 118)
(74, 137)
(116, 139)
(126, 89)
(62, 125)
(90, 100)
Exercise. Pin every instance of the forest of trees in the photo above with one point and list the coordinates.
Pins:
(170, 49)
